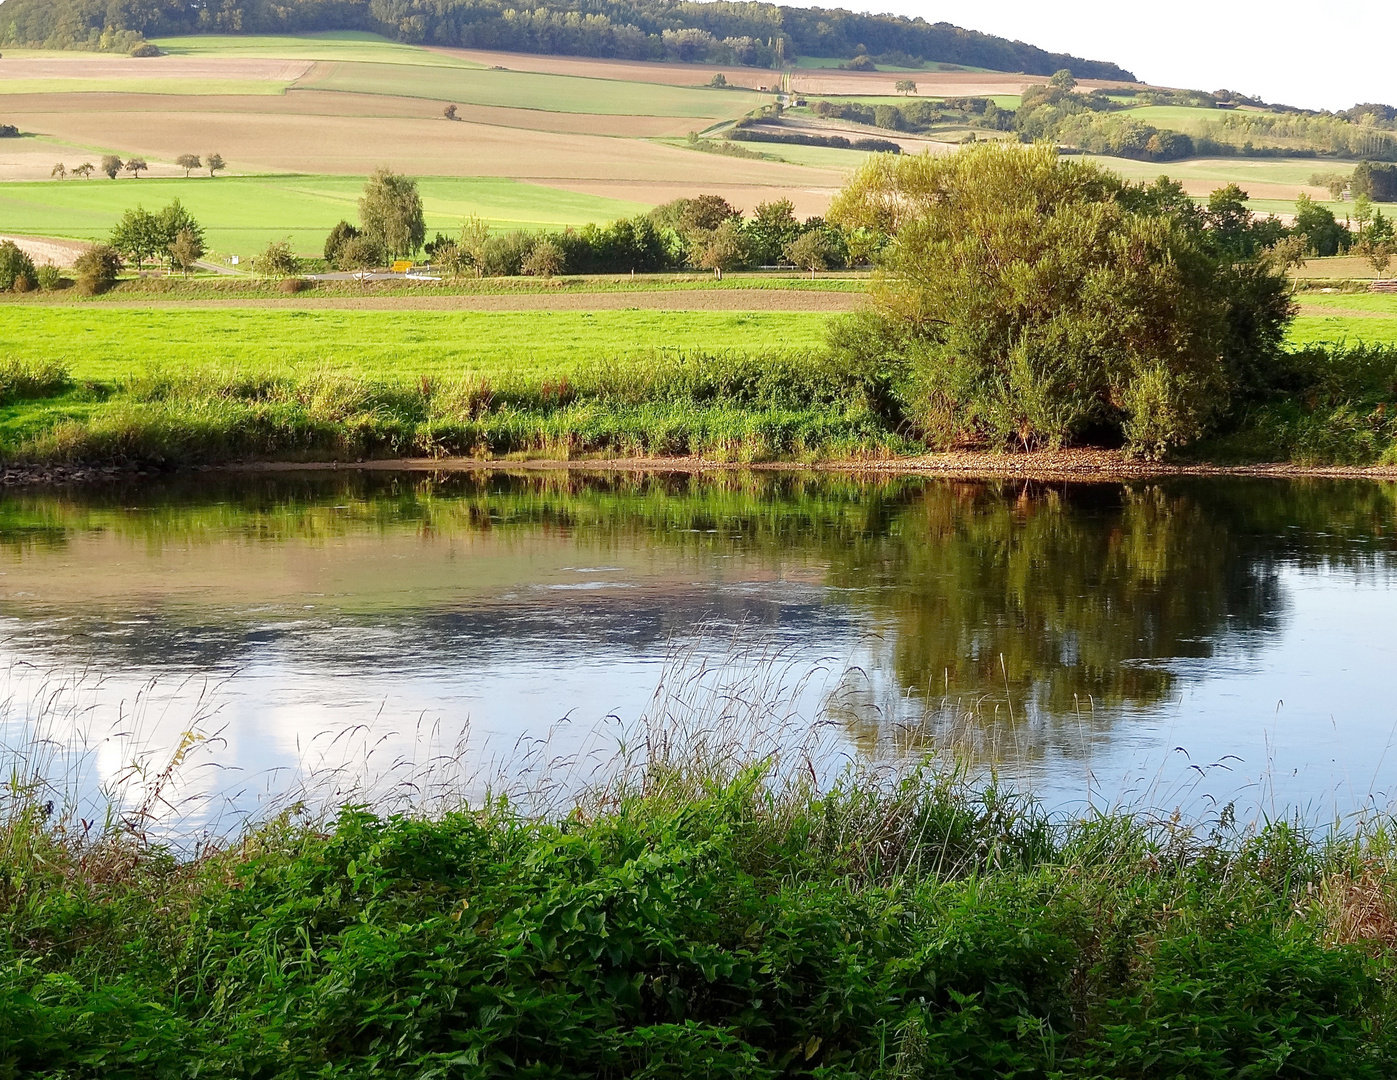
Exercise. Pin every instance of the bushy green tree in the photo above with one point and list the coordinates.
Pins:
(139, 235)
(16, 269)
(96, 269)
(1323, 235)
(1029, 300)
(339, 235)
(545, 260)
(277, 261)
(725, 248)
(390, 211)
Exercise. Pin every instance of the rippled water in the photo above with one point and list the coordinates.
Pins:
(1091, 641)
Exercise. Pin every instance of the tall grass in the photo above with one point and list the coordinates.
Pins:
(729, 406)
(709, 901)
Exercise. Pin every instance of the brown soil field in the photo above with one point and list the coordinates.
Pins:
(757, 300)
(809, 200)
(1344, 266)
(910, 144)
(101, 66)
(929, 83)
(625, 70)
(330, 103)
(47, 250)
(257, 139)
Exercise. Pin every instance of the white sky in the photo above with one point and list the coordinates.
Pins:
(1310, 54)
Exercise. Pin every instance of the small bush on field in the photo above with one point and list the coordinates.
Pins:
(96, 269)
(293, 285)
(277, 261)
(49, 277)
(16, 268)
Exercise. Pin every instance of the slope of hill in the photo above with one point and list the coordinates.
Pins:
(753, 34)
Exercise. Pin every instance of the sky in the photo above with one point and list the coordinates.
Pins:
(1303, 54)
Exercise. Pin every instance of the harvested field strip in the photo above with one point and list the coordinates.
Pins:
(43, 110)
(113, 342)
(530, 90)
(242, 214)
(176, 87)
(255, 141)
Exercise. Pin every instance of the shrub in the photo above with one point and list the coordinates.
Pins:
(293, 285)
(16, 268)
(1034, 302)
(277, 261)
(339, 235)
(49, 277)
(97, 268)
(145, 49)
(545, 260)
(9, 131)
(358, 253)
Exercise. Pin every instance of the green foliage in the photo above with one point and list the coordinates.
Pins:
(390, 212)
(1316, 225)
(141, 235)
(48, 277)
(97, 268)
(341, 233)
(15, 268)
(693, 924)
(1033, 301)
(277, 261)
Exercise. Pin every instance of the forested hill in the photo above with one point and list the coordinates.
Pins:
(756, 34)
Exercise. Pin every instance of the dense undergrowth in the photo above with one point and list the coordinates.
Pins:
(737, 407)
(1325, 405)
(689, 925)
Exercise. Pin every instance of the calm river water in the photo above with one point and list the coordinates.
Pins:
(1165, 642)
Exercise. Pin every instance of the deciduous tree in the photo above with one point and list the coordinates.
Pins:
(111, 165)
(135, 166)
(390, 211)
(214, 163)
(1035, 301)
(138, 236)
(724, 249)
(905, 86)
(186, 250)
(85, 170)
(188, 162)
(545, 260)
(59, 171)
(96, 269)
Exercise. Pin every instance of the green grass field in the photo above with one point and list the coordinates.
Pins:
(1004, 101)
(111, 342)
(1346, 317)
(348, 45)
(532, 90)
(241, 214)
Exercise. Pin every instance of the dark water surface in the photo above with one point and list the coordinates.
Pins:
(1090, 640)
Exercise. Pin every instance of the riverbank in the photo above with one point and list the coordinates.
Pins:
(687, 922)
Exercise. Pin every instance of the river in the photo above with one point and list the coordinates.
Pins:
(1181, 642)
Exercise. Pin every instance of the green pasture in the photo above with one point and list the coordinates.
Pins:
(1346, 317)
(109, 342)
(532, 90)
(241, 214)
(348, 45)
(1175, 117)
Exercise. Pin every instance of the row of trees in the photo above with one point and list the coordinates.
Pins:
(112, 166)
(704, 233)
(723, 31)
(172, 235)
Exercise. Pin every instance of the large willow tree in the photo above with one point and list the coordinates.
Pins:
(1028, 300)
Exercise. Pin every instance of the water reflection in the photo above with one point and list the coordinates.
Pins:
(1070, 619)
